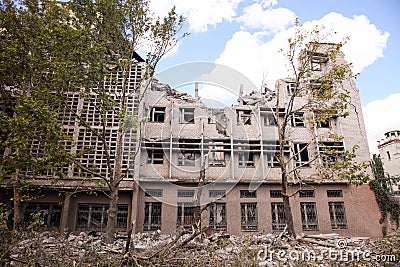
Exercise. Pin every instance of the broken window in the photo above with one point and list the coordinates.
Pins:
(50, 213)
(217, 193)
(243, 117)
(154, 193)
(330, 152)
(334, 193)
(324, 124)
(186, 159)
(278, 216)
(301, 154)
(152, 216)
(309, 215)
(216, 156)
(298, 119)
(218, 216)
(185, 193)
(186, 115)
(185, 215)
(307, 193)
(317, 61)
(275, 193)
(249, 217)
(155, 157)
(246, 159)
(272, 160)
(291, 87)
(269, 119)
(157, 114)
(94, 216)
(321, 89)
(337, 215)
(248, 194)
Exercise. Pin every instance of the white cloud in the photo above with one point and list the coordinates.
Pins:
(262, 63)
(381, 116)
(200, 14)
(271, 20)
(220, 95)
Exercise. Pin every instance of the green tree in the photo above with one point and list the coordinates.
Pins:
(319, 90)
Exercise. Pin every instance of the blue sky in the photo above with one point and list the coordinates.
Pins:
(245, 35)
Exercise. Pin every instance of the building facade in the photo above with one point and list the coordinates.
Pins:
(182, 143)
(389, 150)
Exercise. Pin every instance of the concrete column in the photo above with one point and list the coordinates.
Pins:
(65, 212)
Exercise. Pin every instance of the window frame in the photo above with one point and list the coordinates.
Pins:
(157, 114)
(185, 214)
(186, 112)
(249, 223)
(153, 217)
(337, 210)
(243, 116)
(214, 208)
(309, 216)
(151, 159)
(278, 217)
(302, 157)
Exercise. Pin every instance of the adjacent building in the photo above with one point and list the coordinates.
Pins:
(389, 150)
(182, 142)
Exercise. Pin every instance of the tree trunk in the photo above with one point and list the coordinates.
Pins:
(286, 205)
(112, 215)
(197, 202)
(17, 202)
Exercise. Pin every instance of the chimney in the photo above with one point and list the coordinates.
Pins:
(196, 90)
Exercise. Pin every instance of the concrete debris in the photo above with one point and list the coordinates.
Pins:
(219, 248)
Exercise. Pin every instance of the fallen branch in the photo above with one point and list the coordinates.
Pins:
(304, 240)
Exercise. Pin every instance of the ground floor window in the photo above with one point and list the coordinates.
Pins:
(152, 216)
(249, 217)
(309, 217)
(50, 213)
(218, 216)
(278, 216)
(94, 216)
(338, 215)
(185, 214)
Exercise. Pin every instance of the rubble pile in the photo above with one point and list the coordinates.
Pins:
(218, 249)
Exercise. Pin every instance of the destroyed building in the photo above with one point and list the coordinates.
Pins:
(178, 136)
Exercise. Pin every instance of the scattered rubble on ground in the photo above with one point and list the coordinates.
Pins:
(187, 249)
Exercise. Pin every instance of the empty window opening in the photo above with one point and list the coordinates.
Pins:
(272, 159)
(248, 194)
(216, 156)
(278, 216)
(155, 157)
(186, 115)
(301, 154)
(246, 159)
(307, 193)
(243, 117)
(330, 152)
(309, 217)
(152, 216)
(298, 119)
(186, 159)
(388, 155)
(185, 215)
(218, 216)
(334, 193)
(157, 114)
(269, 119)
(249, 217)
(337, 215)
(291, 88)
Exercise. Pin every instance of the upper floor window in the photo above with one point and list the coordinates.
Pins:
(246, 159)
(317, 61)
(216, 156)
(269, 119)
(155, 157)
(185, 193)
(334, 193)
(186, 115)
(186, 159)
(291, 88)
(301, 154)
(330, 152)
(217, 193)
(154, 193)
(298, 119)
(243, 117)
(307, 193)
(275, 193)
(157, 114)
